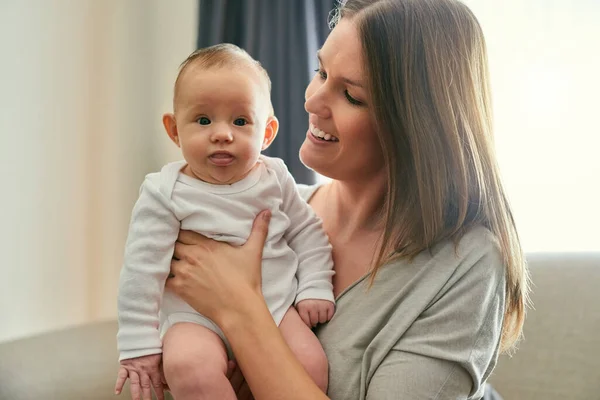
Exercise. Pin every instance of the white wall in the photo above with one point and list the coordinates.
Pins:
(83, 86)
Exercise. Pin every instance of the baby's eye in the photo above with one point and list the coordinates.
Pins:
(203, 121)
(240, 122)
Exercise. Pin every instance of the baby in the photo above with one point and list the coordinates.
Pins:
(222, 120)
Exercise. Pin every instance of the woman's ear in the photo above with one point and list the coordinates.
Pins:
(270, 131)
(171, 127)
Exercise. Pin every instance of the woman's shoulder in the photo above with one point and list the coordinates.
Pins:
(477, 246)
(478, 239)
(473, 263)
(474, 258)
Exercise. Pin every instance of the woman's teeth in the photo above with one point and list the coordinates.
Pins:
(322, 135)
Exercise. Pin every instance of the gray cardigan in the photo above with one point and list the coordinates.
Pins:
(429, 329)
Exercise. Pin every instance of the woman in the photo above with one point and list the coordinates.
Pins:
(430, 280)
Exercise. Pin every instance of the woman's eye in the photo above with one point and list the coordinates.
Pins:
(352, 100)
(322, 74)
(240, 122)
(203, 121)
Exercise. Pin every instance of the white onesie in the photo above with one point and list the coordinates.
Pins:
(297, 263)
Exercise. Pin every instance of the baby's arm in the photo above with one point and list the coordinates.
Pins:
(308, 239)
(152, 234)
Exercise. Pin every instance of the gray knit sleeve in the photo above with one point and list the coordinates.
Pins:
(451, 348)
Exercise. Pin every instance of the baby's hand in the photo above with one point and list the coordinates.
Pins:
(315, 312)
(144, 374)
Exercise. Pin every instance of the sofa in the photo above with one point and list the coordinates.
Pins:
(559, 358)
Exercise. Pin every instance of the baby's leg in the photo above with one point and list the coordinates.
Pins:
(195, 363)
(305, 345)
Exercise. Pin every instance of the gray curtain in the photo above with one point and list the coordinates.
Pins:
(284, 36)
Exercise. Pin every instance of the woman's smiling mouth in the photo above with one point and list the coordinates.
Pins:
(319, 134)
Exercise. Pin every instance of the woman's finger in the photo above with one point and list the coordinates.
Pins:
(173, 281)
(231, 367)
(181, 250)
(191, 237)
(260, 229)
(245, 393)
(236, 380)
(175, 266)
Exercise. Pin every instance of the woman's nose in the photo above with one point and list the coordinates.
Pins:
(221, 135)
(315, 101)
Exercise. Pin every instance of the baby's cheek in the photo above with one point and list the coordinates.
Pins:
(250, 152)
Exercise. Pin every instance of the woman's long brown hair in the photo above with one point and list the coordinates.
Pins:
(426, 63)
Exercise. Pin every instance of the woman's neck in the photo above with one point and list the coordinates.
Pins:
(355, 207)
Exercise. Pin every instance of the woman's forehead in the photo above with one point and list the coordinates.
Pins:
(342, 51)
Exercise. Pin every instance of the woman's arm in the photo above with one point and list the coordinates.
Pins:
(223, 282)
(404, 375)
(269, 366)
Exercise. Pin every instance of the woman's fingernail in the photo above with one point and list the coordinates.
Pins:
(266, 215)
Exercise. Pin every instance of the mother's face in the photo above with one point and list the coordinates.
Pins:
(338, 103)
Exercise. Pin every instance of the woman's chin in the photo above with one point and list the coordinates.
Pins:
(311, 160)
(304, 154)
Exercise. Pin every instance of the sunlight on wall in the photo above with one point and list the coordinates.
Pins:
(84, 84)
(545, 86)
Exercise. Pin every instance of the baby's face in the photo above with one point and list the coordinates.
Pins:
(221, 116)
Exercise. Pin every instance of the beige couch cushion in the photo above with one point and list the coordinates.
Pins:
(73, 364)
(559, 358)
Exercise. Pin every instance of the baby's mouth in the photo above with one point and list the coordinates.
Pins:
(221, 158)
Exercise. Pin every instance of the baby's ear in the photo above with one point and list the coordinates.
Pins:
(270, 131)
(171, 127)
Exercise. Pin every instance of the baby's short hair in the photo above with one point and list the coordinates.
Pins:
(221, 55)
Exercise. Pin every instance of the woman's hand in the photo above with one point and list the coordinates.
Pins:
(214, 277)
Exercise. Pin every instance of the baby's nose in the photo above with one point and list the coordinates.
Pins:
(222, 135)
